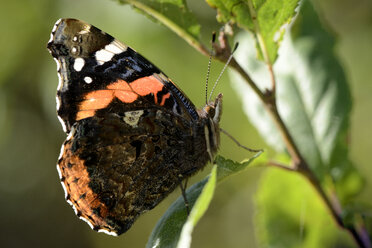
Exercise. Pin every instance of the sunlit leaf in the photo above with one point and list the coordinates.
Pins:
(291, 214)
(198, 210)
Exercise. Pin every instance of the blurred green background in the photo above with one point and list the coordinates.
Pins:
(33, 212)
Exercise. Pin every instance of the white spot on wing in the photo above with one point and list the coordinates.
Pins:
(106, 54)
(88, 80)
(132, 117)
(114, 48)
(79, 64)
(103, 56)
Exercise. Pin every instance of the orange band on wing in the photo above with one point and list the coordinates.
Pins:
(98, 100)
(125, 92)
(119, 85)
(146, 85)
(165, 97)
(94, 100)
(128, 93)
(85, 114)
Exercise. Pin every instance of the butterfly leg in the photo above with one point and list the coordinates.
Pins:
(183, 190)
(237, 142)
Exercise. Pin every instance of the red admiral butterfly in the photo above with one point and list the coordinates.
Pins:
(133, 135)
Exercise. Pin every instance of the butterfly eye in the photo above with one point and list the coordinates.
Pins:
(211, 112)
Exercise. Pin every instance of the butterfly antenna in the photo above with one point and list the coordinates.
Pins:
(224, 68)
(209, 68)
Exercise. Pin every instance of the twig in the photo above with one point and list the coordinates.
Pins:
(223, 52)
(281, 166)
(299, 164)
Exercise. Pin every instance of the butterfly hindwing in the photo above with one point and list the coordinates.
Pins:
(103, 165)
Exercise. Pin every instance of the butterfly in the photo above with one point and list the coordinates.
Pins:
(132, 135)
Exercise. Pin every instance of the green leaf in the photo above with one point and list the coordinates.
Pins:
(233, 11)
(174, 14)
(227, 167)
(175, 228)
(313, 99)
(200, 207)
(267, 20)
(291, 214)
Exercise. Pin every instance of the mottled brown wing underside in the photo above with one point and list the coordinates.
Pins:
(113, 169)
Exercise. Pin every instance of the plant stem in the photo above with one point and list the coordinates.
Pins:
(299, 163)
(281, 166)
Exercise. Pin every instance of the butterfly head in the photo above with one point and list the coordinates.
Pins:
(214, 109)
(212, 113)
